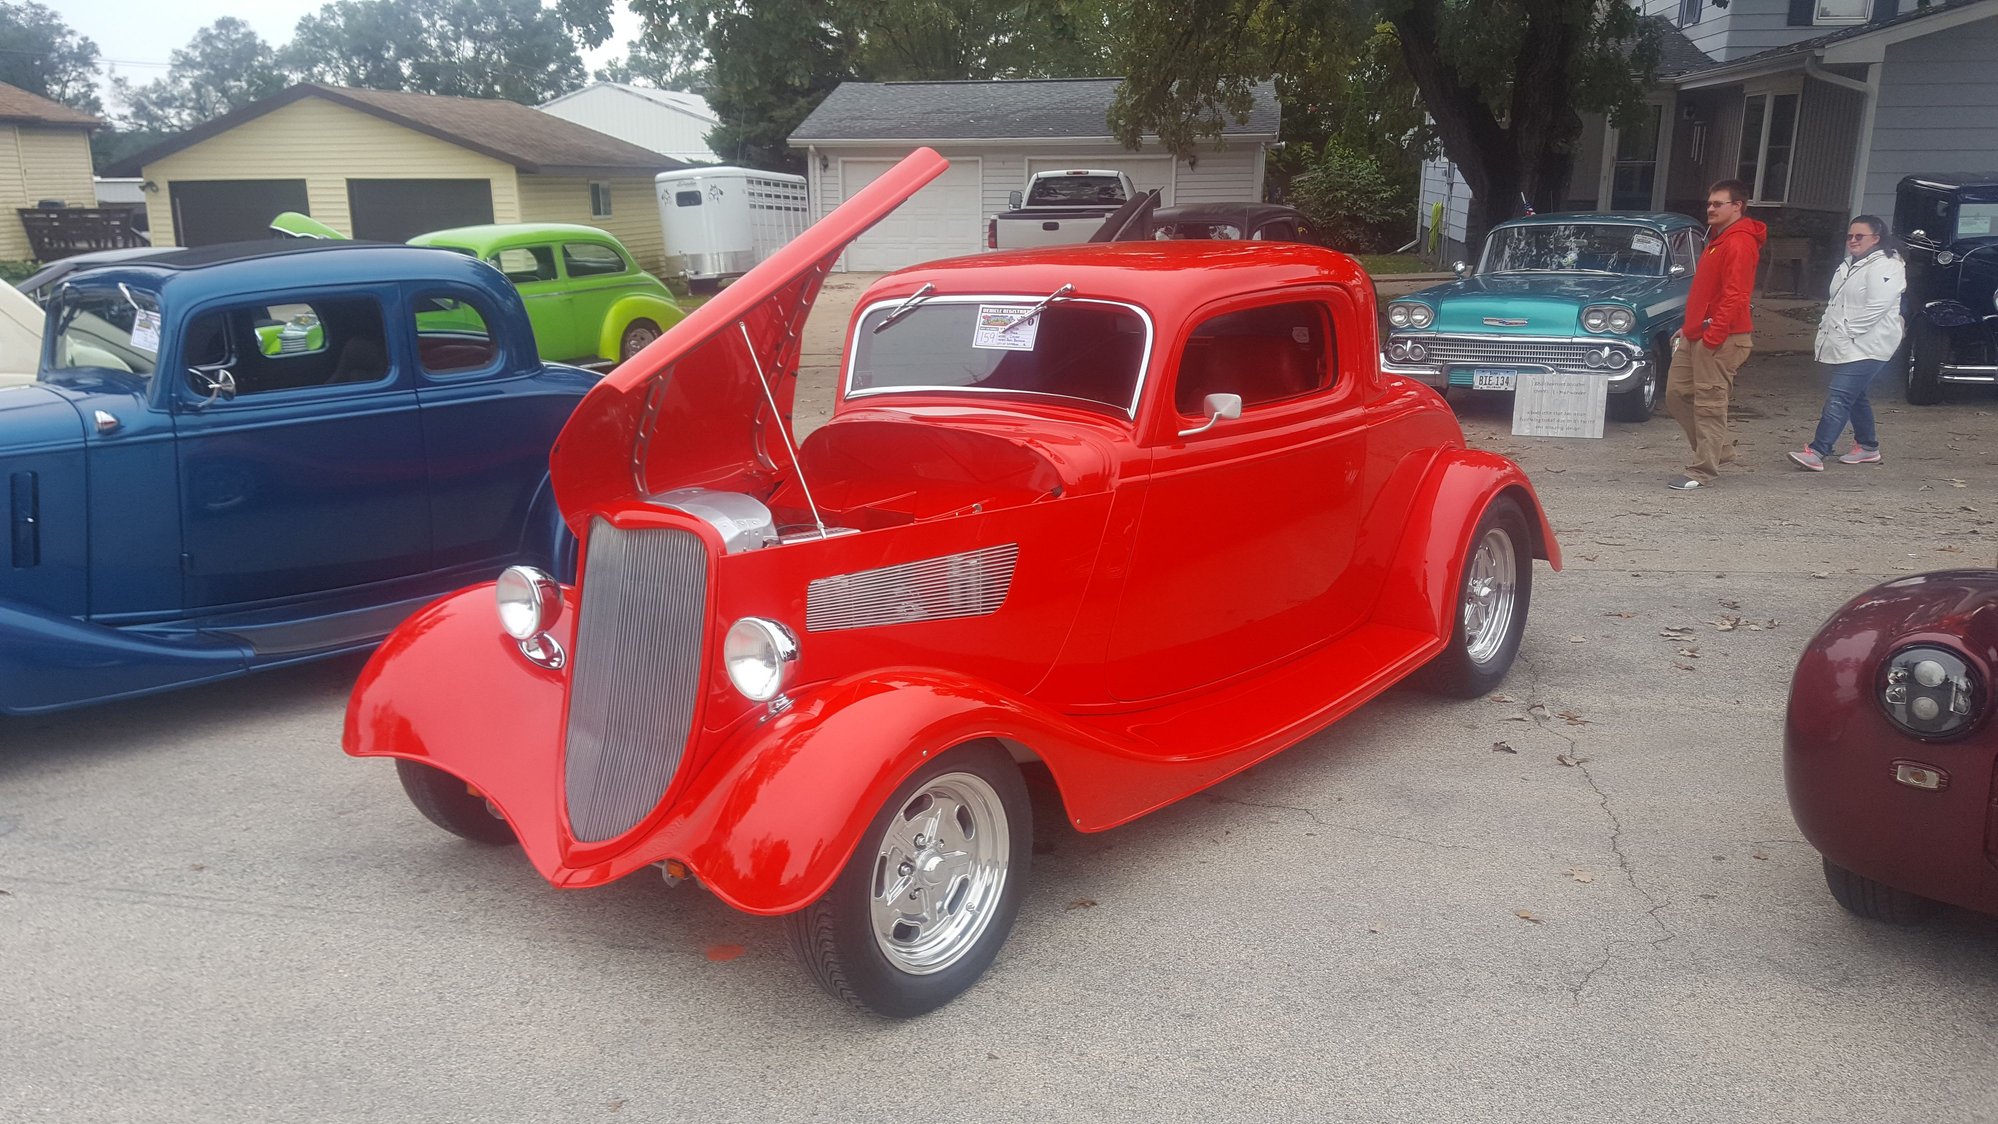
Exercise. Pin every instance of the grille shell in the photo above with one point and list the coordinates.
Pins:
(1558, 354)
(635, 675)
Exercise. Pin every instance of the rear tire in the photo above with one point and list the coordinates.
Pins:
(1876, 901)
(637, 334)
(1927, 344)
(929, 895)
(446, 801)
(1493, 591)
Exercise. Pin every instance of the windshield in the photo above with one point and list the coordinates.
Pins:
(1575, 248)
(1074, 190)
(1090, 352)
(115, 329)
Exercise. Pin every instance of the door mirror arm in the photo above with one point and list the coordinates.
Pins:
(1216, 407)
(219, 384)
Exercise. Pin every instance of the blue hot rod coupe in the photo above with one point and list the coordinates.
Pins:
(242, 456)
(1598, 294)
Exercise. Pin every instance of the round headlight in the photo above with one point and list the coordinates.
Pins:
(1615, 358)
(529, 601)
(1420, 316)
(1930, 692)
(1417, 353)
(1594, 358)
(1595, 319)
(1398, 315)
(758, 655)
(1621, 320)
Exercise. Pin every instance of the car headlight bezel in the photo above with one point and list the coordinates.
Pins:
(757, 656)
(1935, 674)
(528, 601)
(1397, 315)
(1622, 320)
(1420, 315)
(1608, 319)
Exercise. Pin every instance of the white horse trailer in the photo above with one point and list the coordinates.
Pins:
(719, 222)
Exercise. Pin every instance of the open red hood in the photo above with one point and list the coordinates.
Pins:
(695, 408)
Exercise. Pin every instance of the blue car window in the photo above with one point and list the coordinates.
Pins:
(114, 329)
(295, 345)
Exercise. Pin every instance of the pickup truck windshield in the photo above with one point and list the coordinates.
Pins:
(1575, 248)
(1075, 191)
(1088, 351)
(115, 329)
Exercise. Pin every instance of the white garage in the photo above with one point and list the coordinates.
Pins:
(995, 134)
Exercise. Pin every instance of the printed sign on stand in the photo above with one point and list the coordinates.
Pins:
(1550, 404)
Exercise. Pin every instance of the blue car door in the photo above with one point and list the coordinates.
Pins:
(300, 449)
(490, 415)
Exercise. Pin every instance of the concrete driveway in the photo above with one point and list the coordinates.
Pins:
(1579, 899)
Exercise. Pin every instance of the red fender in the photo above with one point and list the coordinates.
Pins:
(1422, 584)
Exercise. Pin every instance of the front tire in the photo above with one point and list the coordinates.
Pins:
(446, 801)
(1876, 901)
(924, 903)
(1492, 596)
(1638, 405)
(1927, 344)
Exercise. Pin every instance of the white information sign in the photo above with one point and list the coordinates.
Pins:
(1549, 404)
(146, 330)
(1006, 327)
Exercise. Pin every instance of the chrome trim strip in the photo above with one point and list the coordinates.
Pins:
(1597, 339)
(1137, 391)
(972, 584)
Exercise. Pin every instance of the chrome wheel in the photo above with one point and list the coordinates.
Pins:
(939, 873)
(1490, 594)
(636, 337)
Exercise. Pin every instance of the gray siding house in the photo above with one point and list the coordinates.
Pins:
(995, 134)
(1820, 105)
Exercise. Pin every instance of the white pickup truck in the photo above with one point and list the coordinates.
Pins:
(1058, 208)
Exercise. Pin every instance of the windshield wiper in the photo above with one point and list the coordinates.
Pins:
(1036, 310)
(906, 307)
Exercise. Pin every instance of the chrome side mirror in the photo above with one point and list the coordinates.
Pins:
(1013, 200)
(1460, 269)
(1677, 270)
(219, 384)
(1216, 407)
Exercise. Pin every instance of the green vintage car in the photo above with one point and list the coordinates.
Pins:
(1597, 294)
(589, 304)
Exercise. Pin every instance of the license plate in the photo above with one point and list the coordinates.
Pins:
(1493, 378)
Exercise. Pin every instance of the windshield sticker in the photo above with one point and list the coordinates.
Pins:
(1647, 244)
(1006, 327)
(146, 330)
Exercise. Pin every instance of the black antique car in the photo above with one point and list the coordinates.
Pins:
(1950, 225)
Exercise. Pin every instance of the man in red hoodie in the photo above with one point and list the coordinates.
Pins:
(1714, 341)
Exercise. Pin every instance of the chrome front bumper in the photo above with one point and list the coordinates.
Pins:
(1454, 356)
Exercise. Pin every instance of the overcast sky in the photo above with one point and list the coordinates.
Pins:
(135, 38)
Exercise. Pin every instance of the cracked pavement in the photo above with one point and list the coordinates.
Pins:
(209, 914)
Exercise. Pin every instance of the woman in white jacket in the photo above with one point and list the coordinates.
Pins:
(1859, 333)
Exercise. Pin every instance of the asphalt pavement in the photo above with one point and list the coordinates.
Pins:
(1581, 898)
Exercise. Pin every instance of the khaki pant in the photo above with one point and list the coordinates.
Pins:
(1696, 391)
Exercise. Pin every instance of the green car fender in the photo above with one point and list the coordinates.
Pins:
(627, 311)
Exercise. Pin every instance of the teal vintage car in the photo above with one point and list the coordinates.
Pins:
(1596, 293)
(589, 304)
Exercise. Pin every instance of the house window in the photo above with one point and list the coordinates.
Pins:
(1768, 141)
(1689, 12)
(600, 203)
(1842, 11)
(1636, 171)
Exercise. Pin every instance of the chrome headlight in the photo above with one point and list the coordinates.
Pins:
(1595, 318)
(1621, 320)
(758, 655)
(529, 601)
(1930, 691)
(1398, 315)
(1421, 316)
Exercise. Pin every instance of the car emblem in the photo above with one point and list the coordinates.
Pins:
(1506, 321)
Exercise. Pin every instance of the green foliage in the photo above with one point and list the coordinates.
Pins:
(14, 272)
(41, 54)
(1356, 206)
(511, 49)
(1387, 265)
(226, 65)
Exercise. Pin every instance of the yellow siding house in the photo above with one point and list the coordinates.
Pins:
(44, 158)
(387, 166)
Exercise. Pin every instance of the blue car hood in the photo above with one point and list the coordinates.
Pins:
(35, 417)
(1550, 303)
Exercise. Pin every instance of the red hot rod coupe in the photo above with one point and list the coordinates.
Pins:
(1143, 514)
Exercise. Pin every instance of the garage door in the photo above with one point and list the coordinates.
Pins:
(209, 211)
(398, 210)
(1146, 172)
(942, 220)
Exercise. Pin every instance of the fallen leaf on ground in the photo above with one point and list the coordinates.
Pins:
(1958, 484)
(1578, 640)
(1580, 875)
(1950, 549)
(1570, 762)
(1677, 632)
(197, 866)
(1821, 573)
(1760, 855)
(1572, 718)
(721, 952)
(1620, 616)
(615, 1106)
(1725, 603)
(1682, 666)
(1501, 747)
(1083, 903)
(1525, 916)
(1516, 718)
(1690, 653)
(1588, 558)
(1500, 698)
(1727, 624)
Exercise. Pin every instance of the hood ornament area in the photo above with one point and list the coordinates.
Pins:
(1506, 321)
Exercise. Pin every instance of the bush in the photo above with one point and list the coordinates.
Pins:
(1357, 205)
(14, 272)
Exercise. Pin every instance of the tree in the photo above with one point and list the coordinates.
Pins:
(511, 49)
(1505, 81)
(41, 54)
(225, 66)
(662, 66)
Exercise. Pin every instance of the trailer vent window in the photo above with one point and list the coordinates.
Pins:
(686, 199)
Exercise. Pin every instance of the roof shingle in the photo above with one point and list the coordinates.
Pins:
(19, 105)
(993, 110)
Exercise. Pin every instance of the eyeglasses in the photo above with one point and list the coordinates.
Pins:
(1712, 203)
(1858, 237)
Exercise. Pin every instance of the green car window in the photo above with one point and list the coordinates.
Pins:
(523, 264)
(588, 259)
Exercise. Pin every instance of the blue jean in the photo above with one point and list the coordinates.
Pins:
(1846, 399)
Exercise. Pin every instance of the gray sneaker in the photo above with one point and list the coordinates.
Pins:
(1683, 484)
(1860, 454)
(1807, 459)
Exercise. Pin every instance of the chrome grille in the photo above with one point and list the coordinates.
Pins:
(1536, 353)
(972, 584)
(635, 674)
